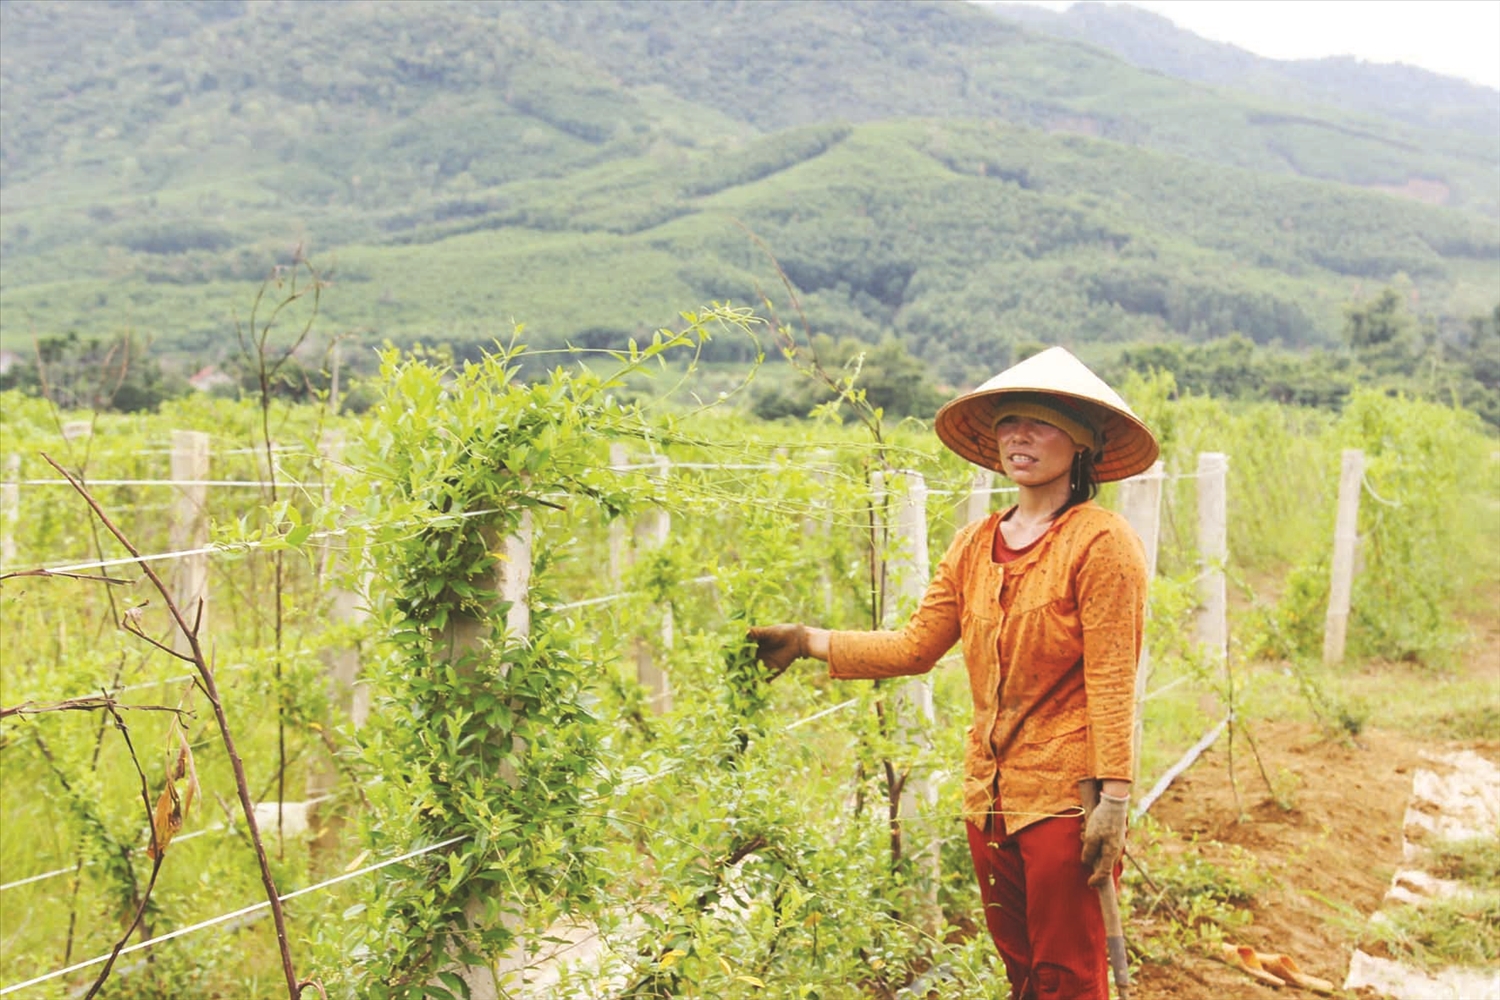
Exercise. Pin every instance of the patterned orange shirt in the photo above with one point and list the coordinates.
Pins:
(1051, 641)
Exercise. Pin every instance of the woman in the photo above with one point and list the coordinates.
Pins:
(1048, 599)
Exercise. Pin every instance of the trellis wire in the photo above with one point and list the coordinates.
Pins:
(168, 482)
(1144, 805)
(215, 828)
(570, 606)
(233, 547)
(336, 532)
(243, 911)
(264, 904)
(1364, 481)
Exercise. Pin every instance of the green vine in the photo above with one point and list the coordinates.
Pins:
(484, 733)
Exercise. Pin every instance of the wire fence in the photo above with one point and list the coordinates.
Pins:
(230, 548)
(244, 911)
(418, 851)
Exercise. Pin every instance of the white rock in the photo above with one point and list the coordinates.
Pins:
(1397, 980)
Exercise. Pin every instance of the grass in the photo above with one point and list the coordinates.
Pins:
(1474, 861)
(1179, 900)
(201, 883)
(1462, 930)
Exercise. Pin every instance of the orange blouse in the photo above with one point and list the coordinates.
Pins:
(1051, 641)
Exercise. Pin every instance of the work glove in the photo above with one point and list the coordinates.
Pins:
(778, 645)
(1104, 837)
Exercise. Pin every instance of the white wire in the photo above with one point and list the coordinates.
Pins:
(611, 598)
(1365, 482)
(285, 449)
(131, 560)
(1192, 754)
(211, 549)
(243, 911)
(36, 878)
(214, 828)
(165, 482)
(974, 493)
(818, 715)
(592, 601)
(1166, 687)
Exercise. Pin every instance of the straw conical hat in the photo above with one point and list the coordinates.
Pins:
(967, 423)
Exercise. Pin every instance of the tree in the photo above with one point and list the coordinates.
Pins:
(893, 380)
(95, 374)
(1382, 334)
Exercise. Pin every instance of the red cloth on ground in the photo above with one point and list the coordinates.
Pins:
(1039, 909)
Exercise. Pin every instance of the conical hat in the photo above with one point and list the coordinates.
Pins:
(967, 423)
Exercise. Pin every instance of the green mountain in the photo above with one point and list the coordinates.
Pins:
(1150, 41)
(927, 170)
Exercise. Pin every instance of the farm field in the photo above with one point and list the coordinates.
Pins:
(407, 408)
(652, 799)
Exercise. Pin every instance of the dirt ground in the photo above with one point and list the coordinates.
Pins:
(1327, 860)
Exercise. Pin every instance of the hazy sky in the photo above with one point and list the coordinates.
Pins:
(1454, 37)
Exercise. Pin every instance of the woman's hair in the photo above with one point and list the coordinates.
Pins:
(1083, 481)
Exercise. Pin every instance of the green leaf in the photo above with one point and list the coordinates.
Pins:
(454, 983)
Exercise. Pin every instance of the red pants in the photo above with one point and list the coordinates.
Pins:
(1039, 908)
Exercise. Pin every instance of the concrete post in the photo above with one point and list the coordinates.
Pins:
(10, 511)
(1345, 546)
(980, 498)
(1213, 552)
(651, 532)
(347, 697)
(190, 531)
(510, 580)
(1140, 503)
(907, 571)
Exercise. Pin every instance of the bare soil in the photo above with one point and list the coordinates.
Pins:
(1326, 852)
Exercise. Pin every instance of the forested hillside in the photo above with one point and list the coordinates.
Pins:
(1146, 39)
(921, 170)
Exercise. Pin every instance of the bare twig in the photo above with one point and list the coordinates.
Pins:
(1260, 763)
(157, 854)
(91, 819)
(129, 625)
(77, 885)
(1162, 895)
(211, 690)
(89, 703)
(70, 576)
(814, 367)
(266, 371)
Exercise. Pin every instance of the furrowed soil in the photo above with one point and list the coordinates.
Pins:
(1322, 857)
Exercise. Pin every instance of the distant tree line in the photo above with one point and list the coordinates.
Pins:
(1383, 345)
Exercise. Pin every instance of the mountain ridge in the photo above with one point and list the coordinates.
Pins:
(1152, 41)
(921, 170)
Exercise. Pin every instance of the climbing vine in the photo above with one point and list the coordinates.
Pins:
(486, 736)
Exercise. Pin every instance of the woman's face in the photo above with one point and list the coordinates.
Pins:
(1032, 452)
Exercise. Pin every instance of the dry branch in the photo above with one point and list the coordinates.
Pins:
(211, 689)
(70, 576)
(89, 703)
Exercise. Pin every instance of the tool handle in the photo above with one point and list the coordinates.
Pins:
(1109, 904)
(1119, 964)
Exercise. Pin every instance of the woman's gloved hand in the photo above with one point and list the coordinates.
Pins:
(1104, 837)
(778, 645)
